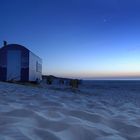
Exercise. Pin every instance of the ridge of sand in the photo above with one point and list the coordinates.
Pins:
(29, 113)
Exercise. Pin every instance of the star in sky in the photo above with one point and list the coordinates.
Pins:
(105, 20)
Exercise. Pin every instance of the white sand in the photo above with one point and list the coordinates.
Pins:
(95, 112)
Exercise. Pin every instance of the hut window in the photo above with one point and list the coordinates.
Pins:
(38, 67)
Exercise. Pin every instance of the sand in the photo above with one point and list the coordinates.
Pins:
(98, 111)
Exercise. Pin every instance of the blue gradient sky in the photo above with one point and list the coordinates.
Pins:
(93, 39)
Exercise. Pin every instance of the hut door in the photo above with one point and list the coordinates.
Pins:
(13, 65)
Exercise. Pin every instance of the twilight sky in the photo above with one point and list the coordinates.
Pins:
(91, 39)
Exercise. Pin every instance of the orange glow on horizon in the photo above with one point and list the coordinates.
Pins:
(99, 74)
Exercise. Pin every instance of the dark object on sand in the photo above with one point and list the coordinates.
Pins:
(49, 80)
(74, 83)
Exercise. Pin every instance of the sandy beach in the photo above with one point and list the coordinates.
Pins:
(96, 111)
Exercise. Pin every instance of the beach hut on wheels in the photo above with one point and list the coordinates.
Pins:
(17, 63)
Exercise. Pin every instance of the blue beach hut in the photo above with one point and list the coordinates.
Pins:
(19, 64)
